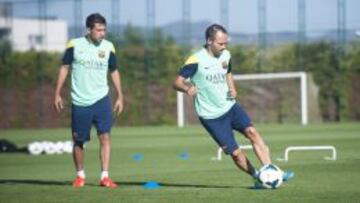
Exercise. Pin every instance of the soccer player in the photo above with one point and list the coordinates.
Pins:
(212, 87)
(91, 58)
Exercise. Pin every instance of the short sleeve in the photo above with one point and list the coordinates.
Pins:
(69, 54)
(190, 67)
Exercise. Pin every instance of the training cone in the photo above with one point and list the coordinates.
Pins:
(184, 156)
(138, 157)
(151, 185)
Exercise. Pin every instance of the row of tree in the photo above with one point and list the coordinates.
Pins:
(148, 67)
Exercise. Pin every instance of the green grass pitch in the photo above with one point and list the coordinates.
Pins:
(47, 178)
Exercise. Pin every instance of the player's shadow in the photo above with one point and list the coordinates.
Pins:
(180, 185)
(69, 183)
(34, 182)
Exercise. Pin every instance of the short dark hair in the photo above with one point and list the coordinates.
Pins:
(212, 30)
(95, 18)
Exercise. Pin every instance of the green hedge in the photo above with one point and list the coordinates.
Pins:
(148, 68)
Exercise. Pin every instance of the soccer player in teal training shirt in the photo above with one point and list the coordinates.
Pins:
(212, 87)
(91, 59)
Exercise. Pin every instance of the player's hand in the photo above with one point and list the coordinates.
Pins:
(58, 103)
(191, 91)
(232, 94)
(118, 106)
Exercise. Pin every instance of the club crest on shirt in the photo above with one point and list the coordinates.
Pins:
(224, 64)
(101, 54)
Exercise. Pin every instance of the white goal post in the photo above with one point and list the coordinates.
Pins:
(262, 76)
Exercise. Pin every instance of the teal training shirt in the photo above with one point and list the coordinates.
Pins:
(90, 64)
(208, 74)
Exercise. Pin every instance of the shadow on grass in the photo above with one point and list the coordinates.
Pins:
(69, 183)
(34, 182)
(40, 182)
(181, 185)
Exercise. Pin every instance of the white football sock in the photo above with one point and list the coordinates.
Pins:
(104, 174)
(81, 174)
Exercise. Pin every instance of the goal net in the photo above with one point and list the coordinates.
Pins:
(266, 97)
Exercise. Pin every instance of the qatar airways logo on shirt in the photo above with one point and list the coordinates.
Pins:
(216, 78)
(93, 64)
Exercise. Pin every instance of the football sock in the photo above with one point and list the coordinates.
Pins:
(81, 174)
(255, 174)
(252, 171)
(104, 174)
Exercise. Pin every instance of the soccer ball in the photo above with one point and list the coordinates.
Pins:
(270, 176)
(35, 148)
(68, 147)
(49, 147)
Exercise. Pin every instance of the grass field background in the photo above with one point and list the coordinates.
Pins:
(47, 178)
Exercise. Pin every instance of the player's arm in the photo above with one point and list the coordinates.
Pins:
(116, 80)
(181, 85)
(119, 103)
(62, 74)
(58, 101)
(188, 70)
(230, 82)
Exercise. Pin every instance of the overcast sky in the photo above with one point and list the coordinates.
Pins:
(243, 16)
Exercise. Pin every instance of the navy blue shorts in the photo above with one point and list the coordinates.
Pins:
(82, 118)
(221, 128)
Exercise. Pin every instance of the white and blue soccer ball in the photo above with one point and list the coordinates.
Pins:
(270, 176)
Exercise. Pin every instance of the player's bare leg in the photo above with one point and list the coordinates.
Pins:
(260, 148)
(242, 162)
(105, 150)
(262, 151)
(78, 156)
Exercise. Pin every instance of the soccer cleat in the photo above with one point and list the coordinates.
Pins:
(79, 182)
(287, 175)
(107, 182)
(257, 184)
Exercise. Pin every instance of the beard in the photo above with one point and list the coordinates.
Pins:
(218, 53)
(98, 41)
